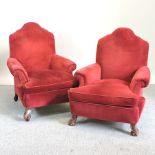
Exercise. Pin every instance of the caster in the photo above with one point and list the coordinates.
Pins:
(15, 98)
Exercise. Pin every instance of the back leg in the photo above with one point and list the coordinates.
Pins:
(16, 98)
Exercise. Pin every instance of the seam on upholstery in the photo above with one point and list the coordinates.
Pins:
(103, 95)
(106, 105)
(41, 92)
(45, 85)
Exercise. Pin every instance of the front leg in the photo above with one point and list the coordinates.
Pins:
(27, 114)
(72, 121)
(134, 130)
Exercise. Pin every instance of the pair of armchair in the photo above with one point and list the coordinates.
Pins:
(110, 89)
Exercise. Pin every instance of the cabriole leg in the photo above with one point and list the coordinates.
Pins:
(134, 130)
(27, 114)
(72, 121)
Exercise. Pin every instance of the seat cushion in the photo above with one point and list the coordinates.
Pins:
(48, 80)
(107, 92)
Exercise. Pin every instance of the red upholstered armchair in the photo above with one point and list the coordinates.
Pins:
(40, 76)
(111, 88)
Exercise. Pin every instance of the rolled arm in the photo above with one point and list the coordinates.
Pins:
(88, 74)
(17, 70)
(61, 63)
(141, 78)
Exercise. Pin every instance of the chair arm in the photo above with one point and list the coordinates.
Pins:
(141, 78)
(88, 74)
(61, 63)
(17, 70)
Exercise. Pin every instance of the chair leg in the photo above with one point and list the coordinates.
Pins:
(72, 121)
(15, 98)
(134, 130)
(27, 114)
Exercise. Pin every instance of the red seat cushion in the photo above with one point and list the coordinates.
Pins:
(107, 92)
(47, 80)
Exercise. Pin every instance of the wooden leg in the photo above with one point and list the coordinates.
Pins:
(15, 98)
(27, 114)
(134, 130)
(72, 121)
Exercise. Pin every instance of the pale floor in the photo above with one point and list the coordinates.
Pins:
(48, 132)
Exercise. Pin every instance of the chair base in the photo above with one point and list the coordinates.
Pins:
(27, 114)
(134, 129)
(108, 113)
(72, 121)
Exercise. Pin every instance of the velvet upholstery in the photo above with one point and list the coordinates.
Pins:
(89, 74)
(52, 80)
(40, 76)
(61, 63)
(111, 89)
(118, 53)
(107, 92)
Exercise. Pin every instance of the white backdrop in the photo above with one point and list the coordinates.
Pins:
(77, 25)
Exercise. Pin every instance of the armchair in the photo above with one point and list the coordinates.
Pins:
(41, 77)
(111, 89)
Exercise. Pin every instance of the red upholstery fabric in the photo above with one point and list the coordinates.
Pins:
(41, 77)
(108, 112)
(121, 53)
(107, 92)
(140, 79)
(32, 46)
(18, 70)
(44, 98)
(111, 89)
(89, 74)
(61, 63)
(52, 80)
